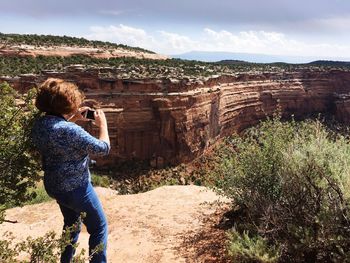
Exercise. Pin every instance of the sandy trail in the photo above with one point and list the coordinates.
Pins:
(146, 227)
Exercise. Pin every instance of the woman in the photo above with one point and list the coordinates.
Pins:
(65, 148)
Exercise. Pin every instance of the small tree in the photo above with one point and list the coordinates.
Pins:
(19, 169)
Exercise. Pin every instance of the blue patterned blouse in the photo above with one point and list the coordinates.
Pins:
(65, 149)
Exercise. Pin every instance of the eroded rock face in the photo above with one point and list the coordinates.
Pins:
(342, 109)
(171, 121)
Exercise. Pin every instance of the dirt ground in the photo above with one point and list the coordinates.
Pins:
(168, 224)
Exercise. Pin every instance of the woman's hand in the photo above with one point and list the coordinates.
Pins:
(100, 119)
(101, 122)
(78, 115)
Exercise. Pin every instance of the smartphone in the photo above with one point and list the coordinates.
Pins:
(89, 114)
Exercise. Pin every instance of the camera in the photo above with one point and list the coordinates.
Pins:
(89, 114)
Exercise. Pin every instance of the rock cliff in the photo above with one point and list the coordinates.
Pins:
(168, 121)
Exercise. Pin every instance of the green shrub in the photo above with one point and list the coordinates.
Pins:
(47, 248)
(19, 169)
(100, 180)
(40, 195)
(245, 249)
(290, 186)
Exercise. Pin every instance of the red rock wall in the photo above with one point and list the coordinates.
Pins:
(178, 126)
(168, 122)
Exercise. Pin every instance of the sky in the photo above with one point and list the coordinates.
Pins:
(317, 28)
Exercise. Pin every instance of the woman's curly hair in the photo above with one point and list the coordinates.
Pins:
(57, 96)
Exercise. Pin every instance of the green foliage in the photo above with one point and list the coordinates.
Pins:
(246, 249)
(40, 195)
(100, 180)
(129, 67)
(47, 248)
(290, 186)
(19, 170)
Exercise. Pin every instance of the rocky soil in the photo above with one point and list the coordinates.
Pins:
(168, 224)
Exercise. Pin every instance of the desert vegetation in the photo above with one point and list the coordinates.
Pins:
(135, 68)
(289, 184)
(123, 67)
(52, 41)
(19, 167)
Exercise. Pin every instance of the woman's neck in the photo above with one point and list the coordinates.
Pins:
(63, 116)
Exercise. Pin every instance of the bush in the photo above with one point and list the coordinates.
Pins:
(100, 180)
(245, 249)
(47, 248)
(19, 169)
(40, 195)
(290, 186)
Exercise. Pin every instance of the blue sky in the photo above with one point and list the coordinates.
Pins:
(278, 27)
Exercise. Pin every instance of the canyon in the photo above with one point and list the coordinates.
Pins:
(167, 121)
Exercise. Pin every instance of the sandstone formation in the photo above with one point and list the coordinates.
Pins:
(168, 121)
(65, 51)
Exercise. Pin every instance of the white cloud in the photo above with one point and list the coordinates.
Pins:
(123, 35)
(273, 43)
(176, 42)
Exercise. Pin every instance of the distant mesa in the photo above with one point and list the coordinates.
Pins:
(232, 62)
(210, 56)
(47, 45)
(329, 63)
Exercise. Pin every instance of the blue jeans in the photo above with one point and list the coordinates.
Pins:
(72, 204)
